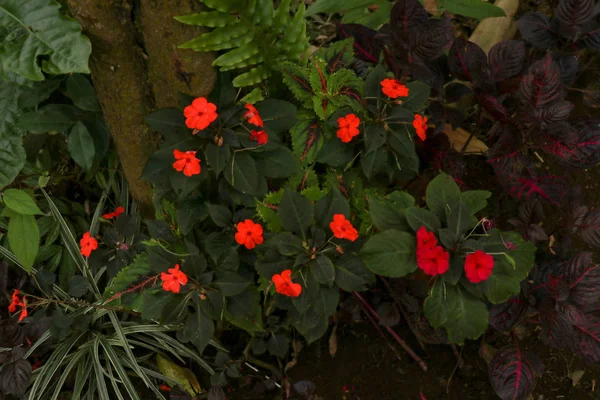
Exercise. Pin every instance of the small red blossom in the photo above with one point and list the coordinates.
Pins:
(434, 261)
(420, 124)
(425, 240)
(393, 89)
(285, 286)
(348, 127)
(261, 137)
(253, 116)
(249, 234)
(478, 266)
(88, 244)
(186, 162)
(342, 228)
(165, 388)
(15, 301)
(173, 279)
(118, 211)
(200, 114)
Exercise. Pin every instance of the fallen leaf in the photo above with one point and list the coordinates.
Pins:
(576, 376)
(183, 376)
(458, 138)
(494, 30)
(487, 352)
(431, 6)
(551, 241)
(333, 341)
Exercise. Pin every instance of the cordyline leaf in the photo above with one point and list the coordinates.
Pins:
(513, 373)
(574, 12)
(542, 85)
(506, 59)
(583, 278)
(505, 315)
(467, 61)
(536, 29)
(366, 46)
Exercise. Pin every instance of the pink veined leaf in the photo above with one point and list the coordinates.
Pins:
(536, 29)
(592, 39)
(584, 280)
(505, 315)
(542, 85)
(590, 228)
(493, 106)
(574, 12)
(549, 187)
(430, 41)
(467, 61)
(557, 111)
(588, 340)
(584, 150)
(513, 373)
(407, 14)
(506, 59)
(366, 46)
(557, 327)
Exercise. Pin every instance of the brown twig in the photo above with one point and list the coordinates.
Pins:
(396, 337)
(376, 325)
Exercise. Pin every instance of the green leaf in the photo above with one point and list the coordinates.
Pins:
(418, 95)
(287, 244)
(244, 310)
(278, 163)
(166, 121)
(20, 202)
(460, 219)
(455, 269)
(278, 345)
(242, 174)
(295, 212)
(12, 160)
(231, 283)
(39, 31)
(217, 243)
(476, 200)
(390, 253)
(449, 238)
(129, 275)
(310, 324)
(78, 286)
(24, 238)
(400, 139)
(328, 206)
(199, 329)
(217, 157)
(375, 137)
(53, 117)
(278, 115)
(189, 213)
(389, 214)
(81, 91)
(418, 217)
(322, 268)
(335, 153)
(326, 301)
(374, 162)
(220, 215)
(352, 275)
(399, 114)
(373, 81)
(332, 6)
(81, 146)
(212, 19)
(478, 9)
(442, 192)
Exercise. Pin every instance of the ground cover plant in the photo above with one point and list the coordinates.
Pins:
(205, 231)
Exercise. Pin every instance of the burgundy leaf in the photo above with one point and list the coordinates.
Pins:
(549, 187)
(455, 91)
(569, 67)
(592, 38)
(366, 47)
(513, 373)
(536, 29)
(555, 112)
(590, 228)
(506, 315)
(14, 377)
(584, 280)
(574, 12)
(408, 14)
(588, 340)
(430, 42)
(557, 326)
(467, 61)
(531, 212)
(494, 107)
(585, 153)
(542, 85)
(507, 59)
(506, 157)
(536, 233)
(577, 216)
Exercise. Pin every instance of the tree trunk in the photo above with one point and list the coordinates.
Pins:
(136, 67)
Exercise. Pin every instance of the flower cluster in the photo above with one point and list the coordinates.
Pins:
(17, 302)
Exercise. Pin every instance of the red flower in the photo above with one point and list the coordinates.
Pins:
(285, 286)
(433, 261)
(420, 124)
(200, 114)
(165, 388)
(23, 310)
(425, 240)
(15, 301)
(478, 266)
(186, 162)
(249, 234)
(118, 211)
(253, 116)
(348, 127)
(393, 89)
(261, 137)
(342, 228)
(88, 244)
(173, 279)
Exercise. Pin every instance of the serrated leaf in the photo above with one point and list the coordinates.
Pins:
(129, 275)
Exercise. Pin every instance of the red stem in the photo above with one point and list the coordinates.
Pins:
(396, 337)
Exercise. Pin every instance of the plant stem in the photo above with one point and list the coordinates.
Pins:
(376, 325)
(396, 337)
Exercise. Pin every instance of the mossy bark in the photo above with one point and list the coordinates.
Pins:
(136, 68)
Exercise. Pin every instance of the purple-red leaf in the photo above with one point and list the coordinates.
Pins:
(536, 29)
(574, 12)
(585, 152)
(569, 67)
(549, 187)
(506, 158)
(431, 40)
(513, 373)
(542, 85)
(505, 315)
(592, 38)
(588, 340)
(455, 91)
(555, 112)
(584, 280)
(493, 106)
(408, 14)
(590, 228)
(506, 59)
(366, 47)
(467, 61)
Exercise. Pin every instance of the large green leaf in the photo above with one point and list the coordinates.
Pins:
(231, 283)
(326, 301)
(242, 174)
(390, 253)
(401, 140)
(352, 275)
(331, 6)
(418, 217)
(81, 91)
(295, 212)
(217, 157)
(322, 268)
(278, 163)
(24, 238)
(328, 206)
(452, 307)
(53, 117)
(442, 192)
(244, 311)
(20, 202)
(476, 200)
(129, 275)
(478, 9)
(460, 218)
(40, 33)
(81, 146)
(389, 212)
(417, 96)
